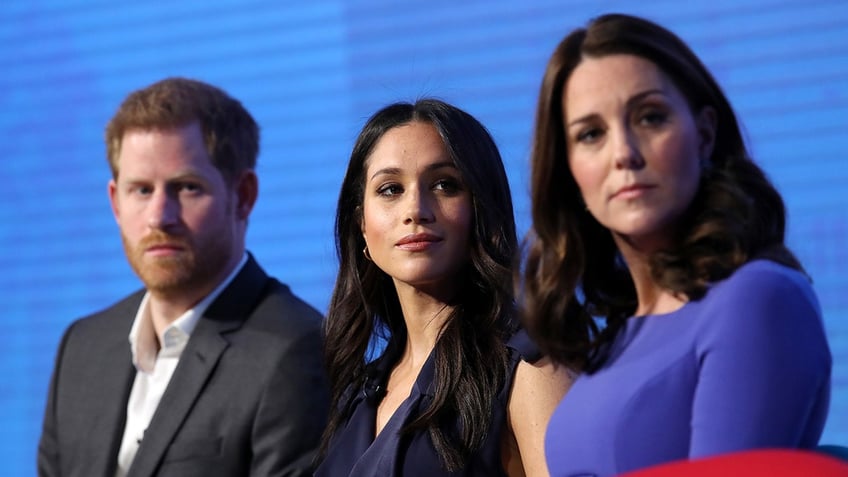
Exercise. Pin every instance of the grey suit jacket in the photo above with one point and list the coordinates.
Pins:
(248, 397)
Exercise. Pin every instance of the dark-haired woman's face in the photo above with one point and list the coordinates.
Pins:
(634, 146)
(417, 209)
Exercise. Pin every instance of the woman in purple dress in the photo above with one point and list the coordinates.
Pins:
(426, 241)
(649, 215)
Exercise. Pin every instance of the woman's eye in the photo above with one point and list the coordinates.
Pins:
(189, 187)
(389, 190)
(448, 185)
(653, 118)
(589, 135)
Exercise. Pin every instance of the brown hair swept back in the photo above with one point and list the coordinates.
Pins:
(229, 131)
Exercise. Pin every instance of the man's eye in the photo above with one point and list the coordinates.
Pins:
(141, 190)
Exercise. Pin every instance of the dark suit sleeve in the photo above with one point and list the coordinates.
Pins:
(48, 448)
(292, 412)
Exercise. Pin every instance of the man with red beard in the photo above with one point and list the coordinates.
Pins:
(214, 369)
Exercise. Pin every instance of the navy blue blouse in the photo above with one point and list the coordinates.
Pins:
(355, 452)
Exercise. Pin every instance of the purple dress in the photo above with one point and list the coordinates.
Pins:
(354, 451)
(747, 366)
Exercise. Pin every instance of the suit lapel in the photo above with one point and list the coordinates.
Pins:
(105, 405)
(107, 421)
(197, 363)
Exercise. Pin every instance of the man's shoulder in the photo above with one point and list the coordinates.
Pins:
(277, 326)
(103, 331)
(117, 314)
(280, 306)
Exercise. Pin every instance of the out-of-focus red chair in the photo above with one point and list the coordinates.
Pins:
(753, 463)
(834, 450)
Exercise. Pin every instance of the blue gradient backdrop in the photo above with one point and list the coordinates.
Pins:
(312, 72)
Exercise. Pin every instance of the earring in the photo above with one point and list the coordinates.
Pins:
(367, 255)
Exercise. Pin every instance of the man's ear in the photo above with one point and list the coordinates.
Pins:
(247, 191)
(113, 199)
(707, 124)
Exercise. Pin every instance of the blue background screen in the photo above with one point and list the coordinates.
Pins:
(311, 73)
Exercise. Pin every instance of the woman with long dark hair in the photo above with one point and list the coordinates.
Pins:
(426, 241)
(657, 264)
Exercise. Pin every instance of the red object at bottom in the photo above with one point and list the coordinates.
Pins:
(764, 462)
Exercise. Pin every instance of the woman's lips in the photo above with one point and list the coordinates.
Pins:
(631, 191)
(417, 242)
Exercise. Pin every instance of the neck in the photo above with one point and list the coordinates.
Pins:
(651, 297)
(424, 316)
(165, 311)
(169, 303)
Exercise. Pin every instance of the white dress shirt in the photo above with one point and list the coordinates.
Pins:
(155, 360)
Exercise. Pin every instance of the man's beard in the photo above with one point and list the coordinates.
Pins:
(197, 266)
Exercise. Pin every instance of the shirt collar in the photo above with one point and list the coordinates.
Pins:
(144, 343)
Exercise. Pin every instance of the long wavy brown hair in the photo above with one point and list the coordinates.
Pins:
(574, 276)
(470, 355)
